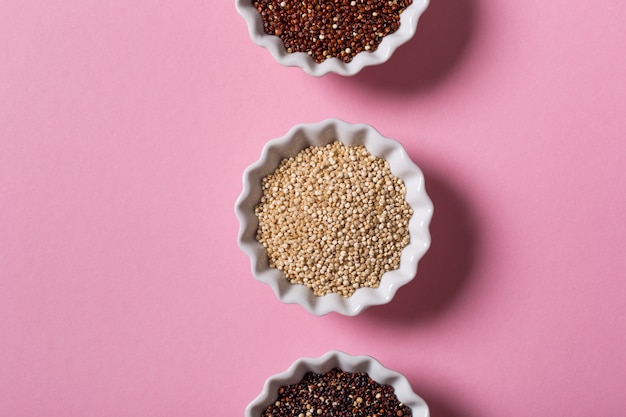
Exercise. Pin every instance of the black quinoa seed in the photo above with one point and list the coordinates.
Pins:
(331, 28)
(338, 394)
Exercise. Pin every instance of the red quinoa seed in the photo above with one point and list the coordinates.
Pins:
(332, 28)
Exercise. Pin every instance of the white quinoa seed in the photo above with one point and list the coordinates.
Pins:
(333, 218)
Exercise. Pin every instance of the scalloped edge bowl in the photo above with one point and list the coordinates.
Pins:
(408, 25)
(319, 134)
(348, 363)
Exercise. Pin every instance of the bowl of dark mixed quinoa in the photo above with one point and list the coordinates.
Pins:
(338, 384)
(338, 36)
(334, 217)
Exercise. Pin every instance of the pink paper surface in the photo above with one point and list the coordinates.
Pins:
(125, 128)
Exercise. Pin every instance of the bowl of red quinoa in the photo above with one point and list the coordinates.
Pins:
(334, 217)
(338, 36)
(338, 384)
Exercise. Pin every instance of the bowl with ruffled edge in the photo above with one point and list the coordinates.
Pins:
(390, 42)
(319, 134)
(348, 363)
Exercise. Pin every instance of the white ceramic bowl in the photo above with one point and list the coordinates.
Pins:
(336, 359)
(320, 134)
(408, 26)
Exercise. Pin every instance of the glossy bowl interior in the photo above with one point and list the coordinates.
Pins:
(320, 134)
(336, 359)
(408, 25)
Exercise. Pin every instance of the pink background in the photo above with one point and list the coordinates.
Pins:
(125, 127)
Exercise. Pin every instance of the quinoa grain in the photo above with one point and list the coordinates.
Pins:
(337, 393)
(326, 29)
(333, 218)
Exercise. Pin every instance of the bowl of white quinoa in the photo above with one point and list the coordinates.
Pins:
(334, 217)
